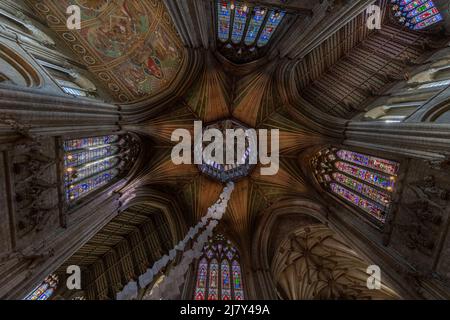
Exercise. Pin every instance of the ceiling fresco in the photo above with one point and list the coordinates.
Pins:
(131, 46)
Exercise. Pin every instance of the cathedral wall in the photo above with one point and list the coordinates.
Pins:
(47, 97)
(412, 246)
(31, 52)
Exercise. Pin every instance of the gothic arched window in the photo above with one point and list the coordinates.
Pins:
(90, 163)
(365, 181)
(244, 29)
(257, 23)
(416, 14)
(219, 275)
(45, 290)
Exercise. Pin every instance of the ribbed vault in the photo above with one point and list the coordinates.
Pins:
(314, 263)
(306, 88)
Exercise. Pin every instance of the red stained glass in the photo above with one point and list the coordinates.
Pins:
(219, 273)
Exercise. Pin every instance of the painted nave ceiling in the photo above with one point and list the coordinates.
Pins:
(359, 91)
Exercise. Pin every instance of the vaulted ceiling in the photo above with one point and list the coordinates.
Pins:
(331, 70)
(315, 263)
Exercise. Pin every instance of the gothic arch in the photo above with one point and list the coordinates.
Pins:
(276, 225)
(16, 70)
(312, 262)
(300, 210)
(438, 114)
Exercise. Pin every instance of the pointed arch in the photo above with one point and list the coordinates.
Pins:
(219, 275)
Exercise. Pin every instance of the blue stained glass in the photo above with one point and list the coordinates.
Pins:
(374, 209)
(83, 143)
(201, 280)
(371, 193)
(425, 15)
(424, 24)
(337, 176)
(237, 281)
(226, 283)
(209, 254)
(255, 25)
(78, 174)
(224, 280)
(368, 176)
(78, 190)
(417, 14)
(272, 23)
(224, 18)
(419, 10)
(230, 255)
(213, 280)
(414, 4)
(240, 19)
(47, 294)
(90, 163)
(45, 290)
(386, 166)
(78, 158)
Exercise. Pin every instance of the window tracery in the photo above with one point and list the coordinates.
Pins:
(416, 14)
(45, 290)
(91, 163)
(364, 181)
(219, 275)
(244, 29)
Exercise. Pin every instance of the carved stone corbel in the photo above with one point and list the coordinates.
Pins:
(440, 164)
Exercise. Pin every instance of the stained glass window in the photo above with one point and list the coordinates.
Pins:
(90, 163)
(370, 192)
(200, 288)
(237, 281)
(274, 20)
(368, 206)
(45, 290)
(83, 143)
(78, 158)
(213, 280)
(386, 166)
(365, 181)
(416, 15)
(254, 24)
(240, 19)
(226, 277)
(219, 272)
(78, 190)
(368, 176)
(224, 19)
